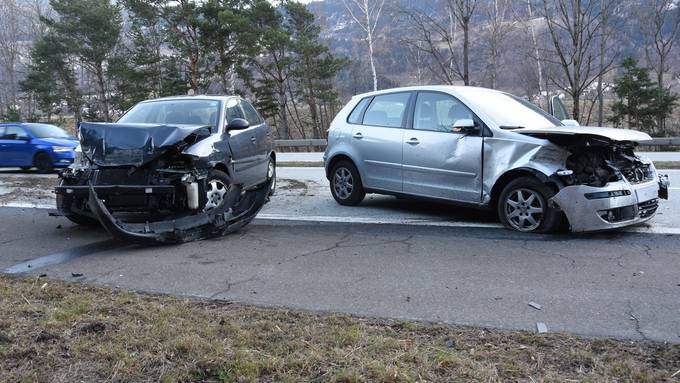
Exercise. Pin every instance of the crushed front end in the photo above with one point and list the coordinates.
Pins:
(606, 185)
(140, 184)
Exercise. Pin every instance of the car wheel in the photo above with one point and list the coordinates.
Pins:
(346, 184)
(25, 168)
(523, 206)
(216, 188)
(43, 162)
(271, 176)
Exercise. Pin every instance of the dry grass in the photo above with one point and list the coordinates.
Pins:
(53, 331)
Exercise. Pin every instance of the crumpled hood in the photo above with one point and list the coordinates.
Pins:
(610, 133)
(110, 144)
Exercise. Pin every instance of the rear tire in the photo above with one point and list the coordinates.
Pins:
(271, 176)
(346, 185)
(43, 162)
(523, 206)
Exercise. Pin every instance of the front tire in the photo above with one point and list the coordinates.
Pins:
(271, 176)
(82, 220)
(523, 206)
(346, 185)
(216, 188)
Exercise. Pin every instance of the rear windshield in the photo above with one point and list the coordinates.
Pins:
(46, 131)
(174, 112)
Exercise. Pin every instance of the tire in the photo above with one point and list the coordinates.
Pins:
(43, 162)
(25, 168)
(346, 185)
(523, 206)
(271, 175)
(82, 220)
(216, 187)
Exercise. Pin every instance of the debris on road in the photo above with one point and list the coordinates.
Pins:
(541, 327)
(76, 275)
(535, 305)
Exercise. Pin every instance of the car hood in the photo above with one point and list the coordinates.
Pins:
(110, 144)
(610, 133)
(69, 142)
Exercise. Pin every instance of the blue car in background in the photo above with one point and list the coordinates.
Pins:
(43, 146)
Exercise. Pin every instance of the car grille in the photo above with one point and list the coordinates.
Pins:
(648, 208)
(122, 177)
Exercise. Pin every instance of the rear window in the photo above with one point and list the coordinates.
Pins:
(387, 110)
(355, 116)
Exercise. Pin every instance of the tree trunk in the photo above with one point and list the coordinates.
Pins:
(284, 131)
(369, 37)
(103, 98)
(660, 121)
(466, 49)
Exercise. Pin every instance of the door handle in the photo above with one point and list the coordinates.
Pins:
(252, 139)
(358, 135)
(413, 141)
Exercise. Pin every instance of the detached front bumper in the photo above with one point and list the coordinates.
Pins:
(618, 204)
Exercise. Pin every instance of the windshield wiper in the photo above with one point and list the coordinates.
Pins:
(506, 127)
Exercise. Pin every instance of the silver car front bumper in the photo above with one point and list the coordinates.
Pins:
(617, 204)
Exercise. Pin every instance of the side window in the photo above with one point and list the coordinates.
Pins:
(355, 116)
(14, 132)
(387, 110)
(233, 110)
(2, 132)
(438, 112)
(252, 116)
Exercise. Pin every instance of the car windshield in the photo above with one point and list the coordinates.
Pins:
(508, 111)
(175, 112)
(46, 131)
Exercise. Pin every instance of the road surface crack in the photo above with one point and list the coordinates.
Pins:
(525, 246)
(230, 285)
(636, 319)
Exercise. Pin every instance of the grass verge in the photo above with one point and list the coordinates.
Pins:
(54, 331)
(667, 165)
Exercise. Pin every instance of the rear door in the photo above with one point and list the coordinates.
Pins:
(4, 150)
(378, 141)
(439, 162)
(242, 144)
(262, 140)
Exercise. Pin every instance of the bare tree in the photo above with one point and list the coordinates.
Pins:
(10, 46)
(661, 29)
(536, 53)
(498, 29)
(436, 38)
(463, 11)
(574, 27)
(366, 13)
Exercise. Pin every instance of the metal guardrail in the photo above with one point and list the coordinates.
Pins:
(656, 141)
(663, 141)
(300, 143)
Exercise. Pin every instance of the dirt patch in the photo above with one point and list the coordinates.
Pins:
(140, 337)
(292, 187)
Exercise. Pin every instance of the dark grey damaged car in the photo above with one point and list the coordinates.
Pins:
(172, 170)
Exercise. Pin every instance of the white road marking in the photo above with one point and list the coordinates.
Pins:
(387, 221)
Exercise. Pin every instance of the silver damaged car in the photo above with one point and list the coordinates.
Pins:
(489, 149)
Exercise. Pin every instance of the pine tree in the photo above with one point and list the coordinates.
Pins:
(640, 100)
(314, 67)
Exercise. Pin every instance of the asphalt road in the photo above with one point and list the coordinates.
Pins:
(386, 258)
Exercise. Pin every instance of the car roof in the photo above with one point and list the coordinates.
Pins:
(445, 88)
(194, 97)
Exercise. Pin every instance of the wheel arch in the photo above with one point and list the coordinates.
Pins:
(337, 158)
(513, 174)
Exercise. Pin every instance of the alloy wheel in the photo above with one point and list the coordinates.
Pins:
(524, 209)
(215, 192)
(343, 183)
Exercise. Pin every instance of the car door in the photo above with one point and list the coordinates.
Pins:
(4, 149)
(439, 162)
(17, 148)
(262, 140)
(377, 141)
(242, 144)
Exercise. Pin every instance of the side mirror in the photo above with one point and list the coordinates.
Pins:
(465, 126)
(238, 124)
(570, 123)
